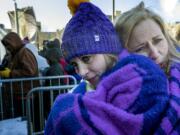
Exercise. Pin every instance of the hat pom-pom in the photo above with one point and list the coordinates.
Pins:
(74, 4)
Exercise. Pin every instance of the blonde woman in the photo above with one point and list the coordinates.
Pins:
(143, 32)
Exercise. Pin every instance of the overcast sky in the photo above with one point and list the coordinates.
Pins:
(54, 14)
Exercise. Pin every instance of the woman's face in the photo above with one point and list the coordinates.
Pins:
(147, 39)
(90, 67)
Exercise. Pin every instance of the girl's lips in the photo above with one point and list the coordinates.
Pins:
(92, 80)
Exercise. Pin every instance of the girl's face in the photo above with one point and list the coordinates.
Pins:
(147, 39)
(90, 67)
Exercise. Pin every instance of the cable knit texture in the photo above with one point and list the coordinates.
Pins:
(89, 32)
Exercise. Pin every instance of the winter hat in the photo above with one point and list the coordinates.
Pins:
(13, 41)
(88, 32)
(53, 44)
(53, 55)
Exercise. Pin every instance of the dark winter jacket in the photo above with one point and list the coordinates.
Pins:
(23, 63)
(53, 55)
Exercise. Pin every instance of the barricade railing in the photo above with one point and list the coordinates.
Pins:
(36, 127)
(13, 92)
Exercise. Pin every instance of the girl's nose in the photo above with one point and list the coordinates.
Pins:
(83, 70)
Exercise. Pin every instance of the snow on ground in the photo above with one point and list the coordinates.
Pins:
(13, 127)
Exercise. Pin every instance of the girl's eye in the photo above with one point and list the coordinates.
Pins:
(86, 59)
(74, 64)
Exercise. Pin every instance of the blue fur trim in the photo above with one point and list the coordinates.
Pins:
(80, 89)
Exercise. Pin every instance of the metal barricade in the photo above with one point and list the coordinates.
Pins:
(40, 123)
(10, 88)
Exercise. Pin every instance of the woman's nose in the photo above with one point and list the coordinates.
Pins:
(153, 52)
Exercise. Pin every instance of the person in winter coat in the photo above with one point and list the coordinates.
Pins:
(143, 32)
(55, 69)
(53, 55)
(22, 64)
(130, 95)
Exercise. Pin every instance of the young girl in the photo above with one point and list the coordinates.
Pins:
(131, 95)
(144, 32)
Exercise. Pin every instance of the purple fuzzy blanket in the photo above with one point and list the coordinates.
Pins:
(133, 98)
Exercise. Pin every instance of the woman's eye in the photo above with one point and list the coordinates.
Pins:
(86, 59)
(156, 41)
(140, 49)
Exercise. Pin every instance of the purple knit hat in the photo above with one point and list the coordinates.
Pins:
(89, 32)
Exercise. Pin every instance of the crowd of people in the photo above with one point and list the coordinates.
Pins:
(130, 72)
(22, 60)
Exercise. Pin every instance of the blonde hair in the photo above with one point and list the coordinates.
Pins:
(110, 60)
(126, 22)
